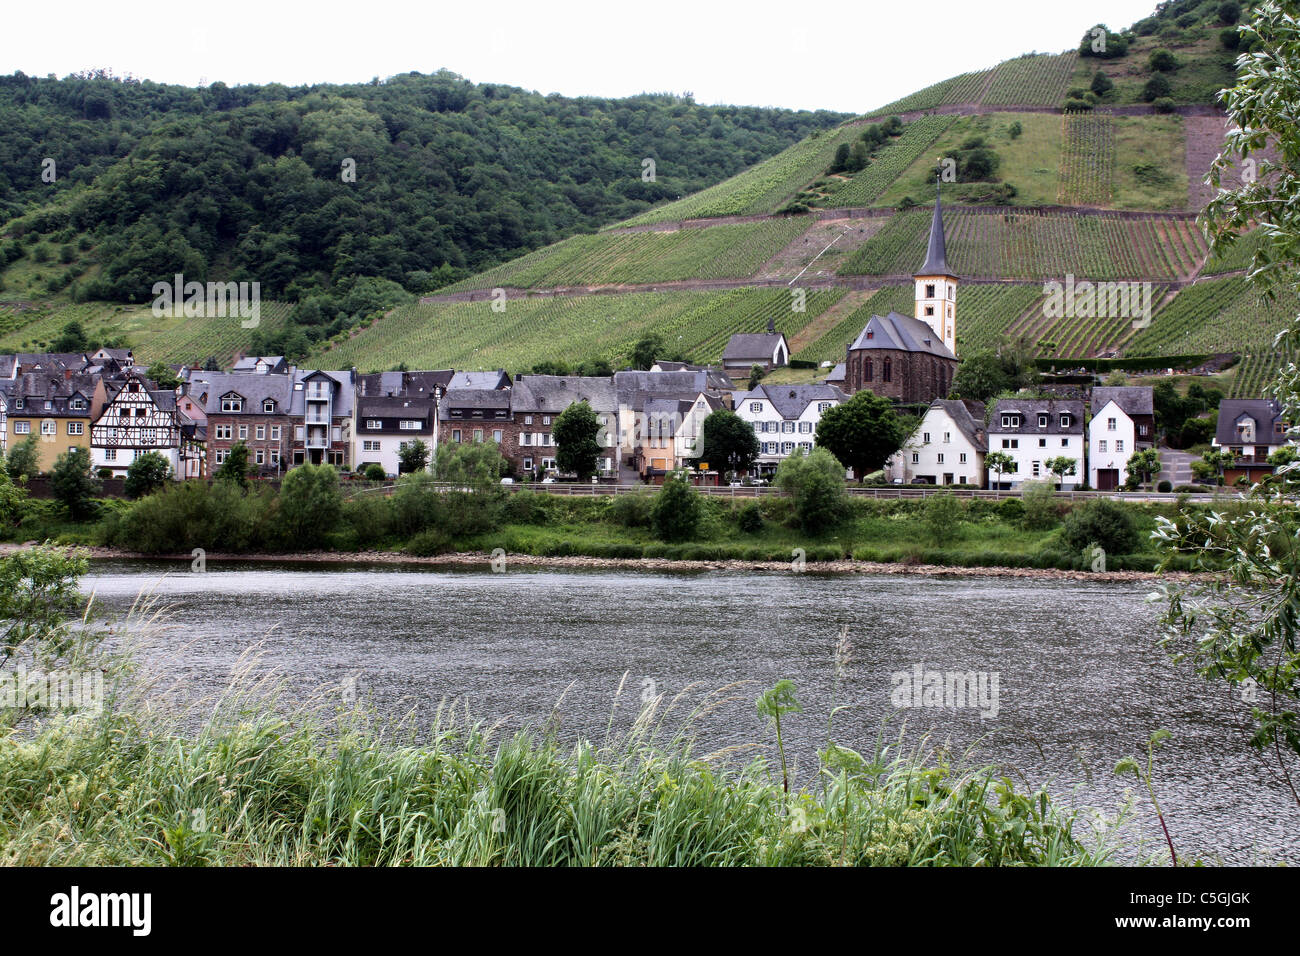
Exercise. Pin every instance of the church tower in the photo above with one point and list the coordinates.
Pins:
(936, 286)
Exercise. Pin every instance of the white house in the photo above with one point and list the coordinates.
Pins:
(784, 417)
(947, 448)
(1123, 422)
(1033, 431)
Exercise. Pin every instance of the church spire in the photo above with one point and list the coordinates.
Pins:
(936, 256)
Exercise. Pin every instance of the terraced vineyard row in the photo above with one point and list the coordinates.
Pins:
(891, 161)
(1034, 80)
(966, 88)
(1257, 373)
(1237, 258)
(1030, 245)
(985, 312)
(1083, 336)
(469, 335)
(762, 188)
(1088, 160)
(831, 346)
(734, 250)
(175, 340)
(1220, 315)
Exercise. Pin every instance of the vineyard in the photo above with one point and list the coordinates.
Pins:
(892, 160)
(966, 88)
(1028, 244)
(1088, 160)
(1257, 373)
(470, 335)
(1033, 80)
(1082, 336)
(762, 188)
(174, 340)
(1221, 315)
(1237, 258)
(985, 313)
(830, 346)
(731, 251)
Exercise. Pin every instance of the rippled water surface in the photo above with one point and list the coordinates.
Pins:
(1080, 682)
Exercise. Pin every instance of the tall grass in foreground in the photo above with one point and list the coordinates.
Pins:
(251, 785)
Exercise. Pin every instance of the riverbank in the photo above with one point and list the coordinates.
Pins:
(479, 559)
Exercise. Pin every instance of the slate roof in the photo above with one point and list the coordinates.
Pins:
(1270, 429)
(757, 347)
(210, 386)
(1133, 400)
(420, 384)
(634, 388)
(790, 401)
(936, 253)
(1031, 408)
(837, 375)
(36, 388)
(968, 415)
(902, 333)
(555, 393)
(344, 395)
(485, 398)
(497, 379)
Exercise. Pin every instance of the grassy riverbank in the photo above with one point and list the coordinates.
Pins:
(421, 522)
(324, 786)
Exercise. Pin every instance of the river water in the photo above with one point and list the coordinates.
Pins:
(1079, 680)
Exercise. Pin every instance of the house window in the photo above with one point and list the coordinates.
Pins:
(805, 428)
(76, 428)
(478, 434)
(1011, 443)
(1119, 444)
(756, 407)
(1042, 443)
(455, 435)
(939, 458)
(1101, 447)
(275, 456)
(232, 403)
(1042, 421)
(806, 446)
(887, 372)
(275, 433)
(49, 428)
(22, 428)
(1035, 469)
(962, 460)
(268, 406)
(546, 419)
(528, 420)
(243, 432)
(367, 445)
(221, 432)
(78, 403)
(1111, 425)
(110, 454)
(374, 423)
(929, 310)
(525, 438)
(787, 427)
(916, 458)
(947, 437)
(259, 457)
(867, 371)
(260, 432)
(925, 438)
(1065, 443)
(929, 290)
(1065, 421)
(409, 425)
(496, 435)
(1010, 421)
(1142, 429)
(220, 456)
(787, 447)
(528, 464)
(823, 407)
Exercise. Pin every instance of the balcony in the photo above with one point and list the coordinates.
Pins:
(316, 418)
(318, 441)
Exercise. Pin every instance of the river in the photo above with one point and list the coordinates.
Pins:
(1079, 680)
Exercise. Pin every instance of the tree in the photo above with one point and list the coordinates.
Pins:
(74, 485)
(940, 516)
(1144, 464)
(675, 514)
(412, 456)
(862, 433)
(1216, 460)
(23, 462)
(72, 339)
(576, 431)
(980, 376)
(310, 505)
(1242, 626)
(1101, 83)
(475, 465)
(1162, 61)
(729, 440)
(815, 484)
(1104, 523)
(235, 468)
(1156, 88)
(756, 374)
(12, 499)
(645, 351)
(1060, 466)
(162, 374)
(1000, 463)
(147, 474)
(1284, 456)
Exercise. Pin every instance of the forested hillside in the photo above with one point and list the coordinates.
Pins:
(417, 179)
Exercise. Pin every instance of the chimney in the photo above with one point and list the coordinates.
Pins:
(67, 375)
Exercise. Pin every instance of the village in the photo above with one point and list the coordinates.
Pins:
(651, 421)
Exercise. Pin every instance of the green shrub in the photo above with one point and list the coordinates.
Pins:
(675, 513)
(375, 472)
(426, 544)
(941, 516)
(1041, 509)
(750, 518)
(1156, 87)
(1164, 485)
(1105, 523)
(1163, 104)
(1011, 510)
(632, 510)
(815, 484)
(524, 507)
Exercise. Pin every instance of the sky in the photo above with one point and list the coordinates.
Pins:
(849, 57)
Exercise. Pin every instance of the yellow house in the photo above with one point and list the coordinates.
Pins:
(55, 408)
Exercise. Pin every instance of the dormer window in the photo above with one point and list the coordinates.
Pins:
(1065, 421)
(1010, 421)
(268, 406)
(1042, 421)
(232, 403)
(78, 403)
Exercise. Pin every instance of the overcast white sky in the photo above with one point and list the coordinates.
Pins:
(825, 55)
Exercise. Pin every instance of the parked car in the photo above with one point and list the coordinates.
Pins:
(507, 481)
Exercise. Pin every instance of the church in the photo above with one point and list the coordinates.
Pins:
(912, 359)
